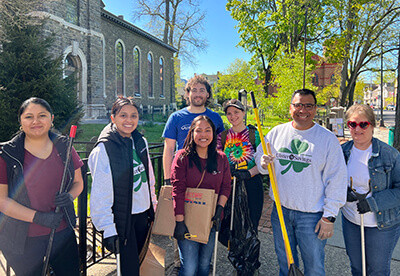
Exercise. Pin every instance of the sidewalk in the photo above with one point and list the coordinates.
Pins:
(336, 260)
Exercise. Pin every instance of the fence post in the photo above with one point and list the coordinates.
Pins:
(82, 215)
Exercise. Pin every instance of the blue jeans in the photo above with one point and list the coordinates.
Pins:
(196, 257)
(300, 227)
(379, 246)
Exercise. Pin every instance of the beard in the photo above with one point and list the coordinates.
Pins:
(198, 101)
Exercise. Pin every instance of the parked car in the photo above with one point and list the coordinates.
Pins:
(390, 107)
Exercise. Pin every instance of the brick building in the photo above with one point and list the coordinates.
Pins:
(324, 73)
(109, 55)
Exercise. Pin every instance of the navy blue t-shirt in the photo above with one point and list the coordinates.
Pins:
(178, 124)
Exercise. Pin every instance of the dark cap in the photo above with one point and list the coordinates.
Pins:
(235, 103)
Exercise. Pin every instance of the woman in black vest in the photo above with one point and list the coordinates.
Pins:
(31, 169)
(123, 196)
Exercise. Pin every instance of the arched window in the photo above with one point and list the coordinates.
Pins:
(162, 78)
(333, 79)
(73, 70)
(71, 12)
(136, 72)
(150, 74)
(119, 68)
(315, 80)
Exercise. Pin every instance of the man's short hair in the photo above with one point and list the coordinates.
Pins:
(304, 91)
(195, 80)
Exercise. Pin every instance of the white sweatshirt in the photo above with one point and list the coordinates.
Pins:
(102, 195)
(310, 169)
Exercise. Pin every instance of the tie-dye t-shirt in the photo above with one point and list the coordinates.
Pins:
(238, 148)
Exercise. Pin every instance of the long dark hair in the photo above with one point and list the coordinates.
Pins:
(190, 147)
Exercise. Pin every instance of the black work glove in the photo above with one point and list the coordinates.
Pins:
(241, 174)
(363, 206)
(180, 230)
(216, 219)
(63, 199)
(50, 219)
(351, 197)
(111, 244)
(167, 181)
(232, 167)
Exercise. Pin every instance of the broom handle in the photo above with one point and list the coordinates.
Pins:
(272, 175)
(233, 202)
(46, 259)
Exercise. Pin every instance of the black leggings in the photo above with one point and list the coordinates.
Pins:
(255, 199)
(64, 259)
(131, 250)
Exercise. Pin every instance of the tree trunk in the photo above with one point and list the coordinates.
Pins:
(396, 140)
(343, 87)
(351, 89)
(166, 25)
(267, 79)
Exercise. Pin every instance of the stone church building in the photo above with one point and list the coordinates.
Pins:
(110, 56)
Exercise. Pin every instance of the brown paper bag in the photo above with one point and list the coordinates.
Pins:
(154, 262)
(164, 221)
(199, 209)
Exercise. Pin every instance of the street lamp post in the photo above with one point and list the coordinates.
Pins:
(381, 122)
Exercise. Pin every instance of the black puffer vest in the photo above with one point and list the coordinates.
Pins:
(120, 153)
(13, 232)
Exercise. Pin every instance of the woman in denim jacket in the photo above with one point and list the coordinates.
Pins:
(374, 170)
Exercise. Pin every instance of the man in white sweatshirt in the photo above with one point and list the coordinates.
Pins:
(312, 181)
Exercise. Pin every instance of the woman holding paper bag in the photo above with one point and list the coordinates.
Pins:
(198, 164)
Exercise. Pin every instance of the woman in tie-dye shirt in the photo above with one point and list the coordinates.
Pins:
(239, 147)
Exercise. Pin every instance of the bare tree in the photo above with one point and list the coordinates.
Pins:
(361, 27)
(177, 22)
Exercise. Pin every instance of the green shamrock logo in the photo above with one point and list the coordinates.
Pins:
(297, 147)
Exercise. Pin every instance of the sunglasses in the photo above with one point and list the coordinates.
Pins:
(353, 124)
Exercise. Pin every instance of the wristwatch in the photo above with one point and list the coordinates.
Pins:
(331, 219)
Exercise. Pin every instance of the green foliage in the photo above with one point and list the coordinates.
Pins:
(239, 75)
(288, 76)
(266, 27)
(359, 28)
(28, 70)
(179, 85)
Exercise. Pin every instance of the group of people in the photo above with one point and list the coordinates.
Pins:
(316, 177)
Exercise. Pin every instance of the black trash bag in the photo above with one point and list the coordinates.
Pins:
(244, 245)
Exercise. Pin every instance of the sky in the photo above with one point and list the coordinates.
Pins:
(219, 29)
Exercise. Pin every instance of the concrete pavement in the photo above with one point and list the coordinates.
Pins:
(336, 260)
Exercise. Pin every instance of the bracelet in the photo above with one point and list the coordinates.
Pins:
(326, 222)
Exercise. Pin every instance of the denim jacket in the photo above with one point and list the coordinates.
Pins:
(384, 172)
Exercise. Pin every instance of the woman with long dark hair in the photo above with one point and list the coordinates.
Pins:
(198, 162)
(123, 196)
(31, 170)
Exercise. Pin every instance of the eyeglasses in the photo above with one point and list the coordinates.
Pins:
(307, 106)
(353, 124)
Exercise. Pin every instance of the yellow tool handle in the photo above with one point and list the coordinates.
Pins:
(272, 176)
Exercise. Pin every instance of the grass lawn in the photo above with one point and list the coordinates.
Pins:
(153, 131)
(266, 124)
